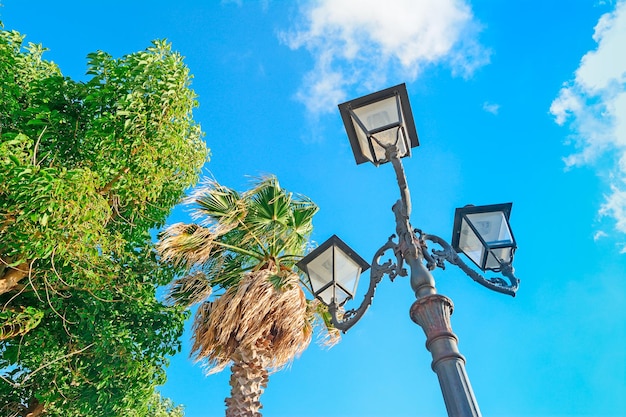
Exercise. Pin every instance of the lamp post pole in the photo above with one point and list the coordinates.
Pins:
(380, 128)
(432, 311)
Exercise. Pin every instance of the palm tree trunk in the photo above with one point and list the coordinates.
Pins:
(249, 376)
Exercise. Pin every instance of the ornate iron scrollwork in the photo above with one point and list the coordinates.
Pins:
(377, 272)
(447, 253)
(412, 249)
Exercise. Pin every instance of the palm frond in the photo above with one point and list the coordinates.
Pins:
(268, 214)
(188, 244)
(190, 289)
(271, 203)
(319, 317)
(194, 245)
(217, 206)
(254, 313)
(226, 271)
(301, 225)
(302, 215)
(281, 219)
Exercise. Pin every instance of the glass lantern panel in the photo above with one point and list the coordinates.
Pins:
(470, 244)
(379, 114)
(492, 227)
(404, 148)
(341, 296)
(389, 137)
(374, 116)
(339, 270)
(497, 256)
(335, 292)
(363, 141)
(320, 270)
(326, 295)
(347, 272)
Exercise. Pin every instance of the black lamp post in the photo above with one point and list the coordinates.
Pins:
(381, 129)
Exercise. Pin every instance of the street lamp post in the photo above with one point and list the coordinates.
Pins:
(381, 129)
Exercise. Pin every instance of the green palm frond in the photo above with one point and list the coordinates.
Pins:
(264, 227)
(320, 320)
(282, 219)
(271, 204)
(303, 211)
(301, 223)
(269, 210)
(226, 271)
(217, 206)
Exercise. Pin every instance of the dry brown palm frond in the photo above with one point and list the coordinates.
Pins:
(255, 315)
(186, 244)
(189, 289)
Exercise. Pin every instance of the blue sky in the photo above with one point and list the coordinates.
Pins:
(513, 101)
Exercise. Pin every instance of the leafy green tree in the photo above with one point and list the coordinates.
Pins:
(161, 407)
(240, 261)
(87, 169)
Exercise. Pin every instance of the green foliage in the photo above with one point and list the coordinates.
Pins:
(86, 171)
(50, 209)
(162, 407)
(95, 354)
(17, 323)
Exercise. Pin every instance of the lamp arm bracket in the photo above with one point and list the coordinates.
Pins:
(447, 253)
(392, 153)
(349, 318)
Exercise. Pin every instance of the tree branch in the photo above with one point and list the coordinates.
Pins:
(76, 352)
(108, 187)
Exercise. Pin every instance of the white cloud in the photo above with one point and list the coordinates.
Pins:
(492, 108)
(364, 42)
(599, 235)
(615, 206)
(600, 69)
(593, 105)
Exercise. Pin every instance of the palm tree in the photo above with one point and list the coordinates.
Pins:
(240, 258)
